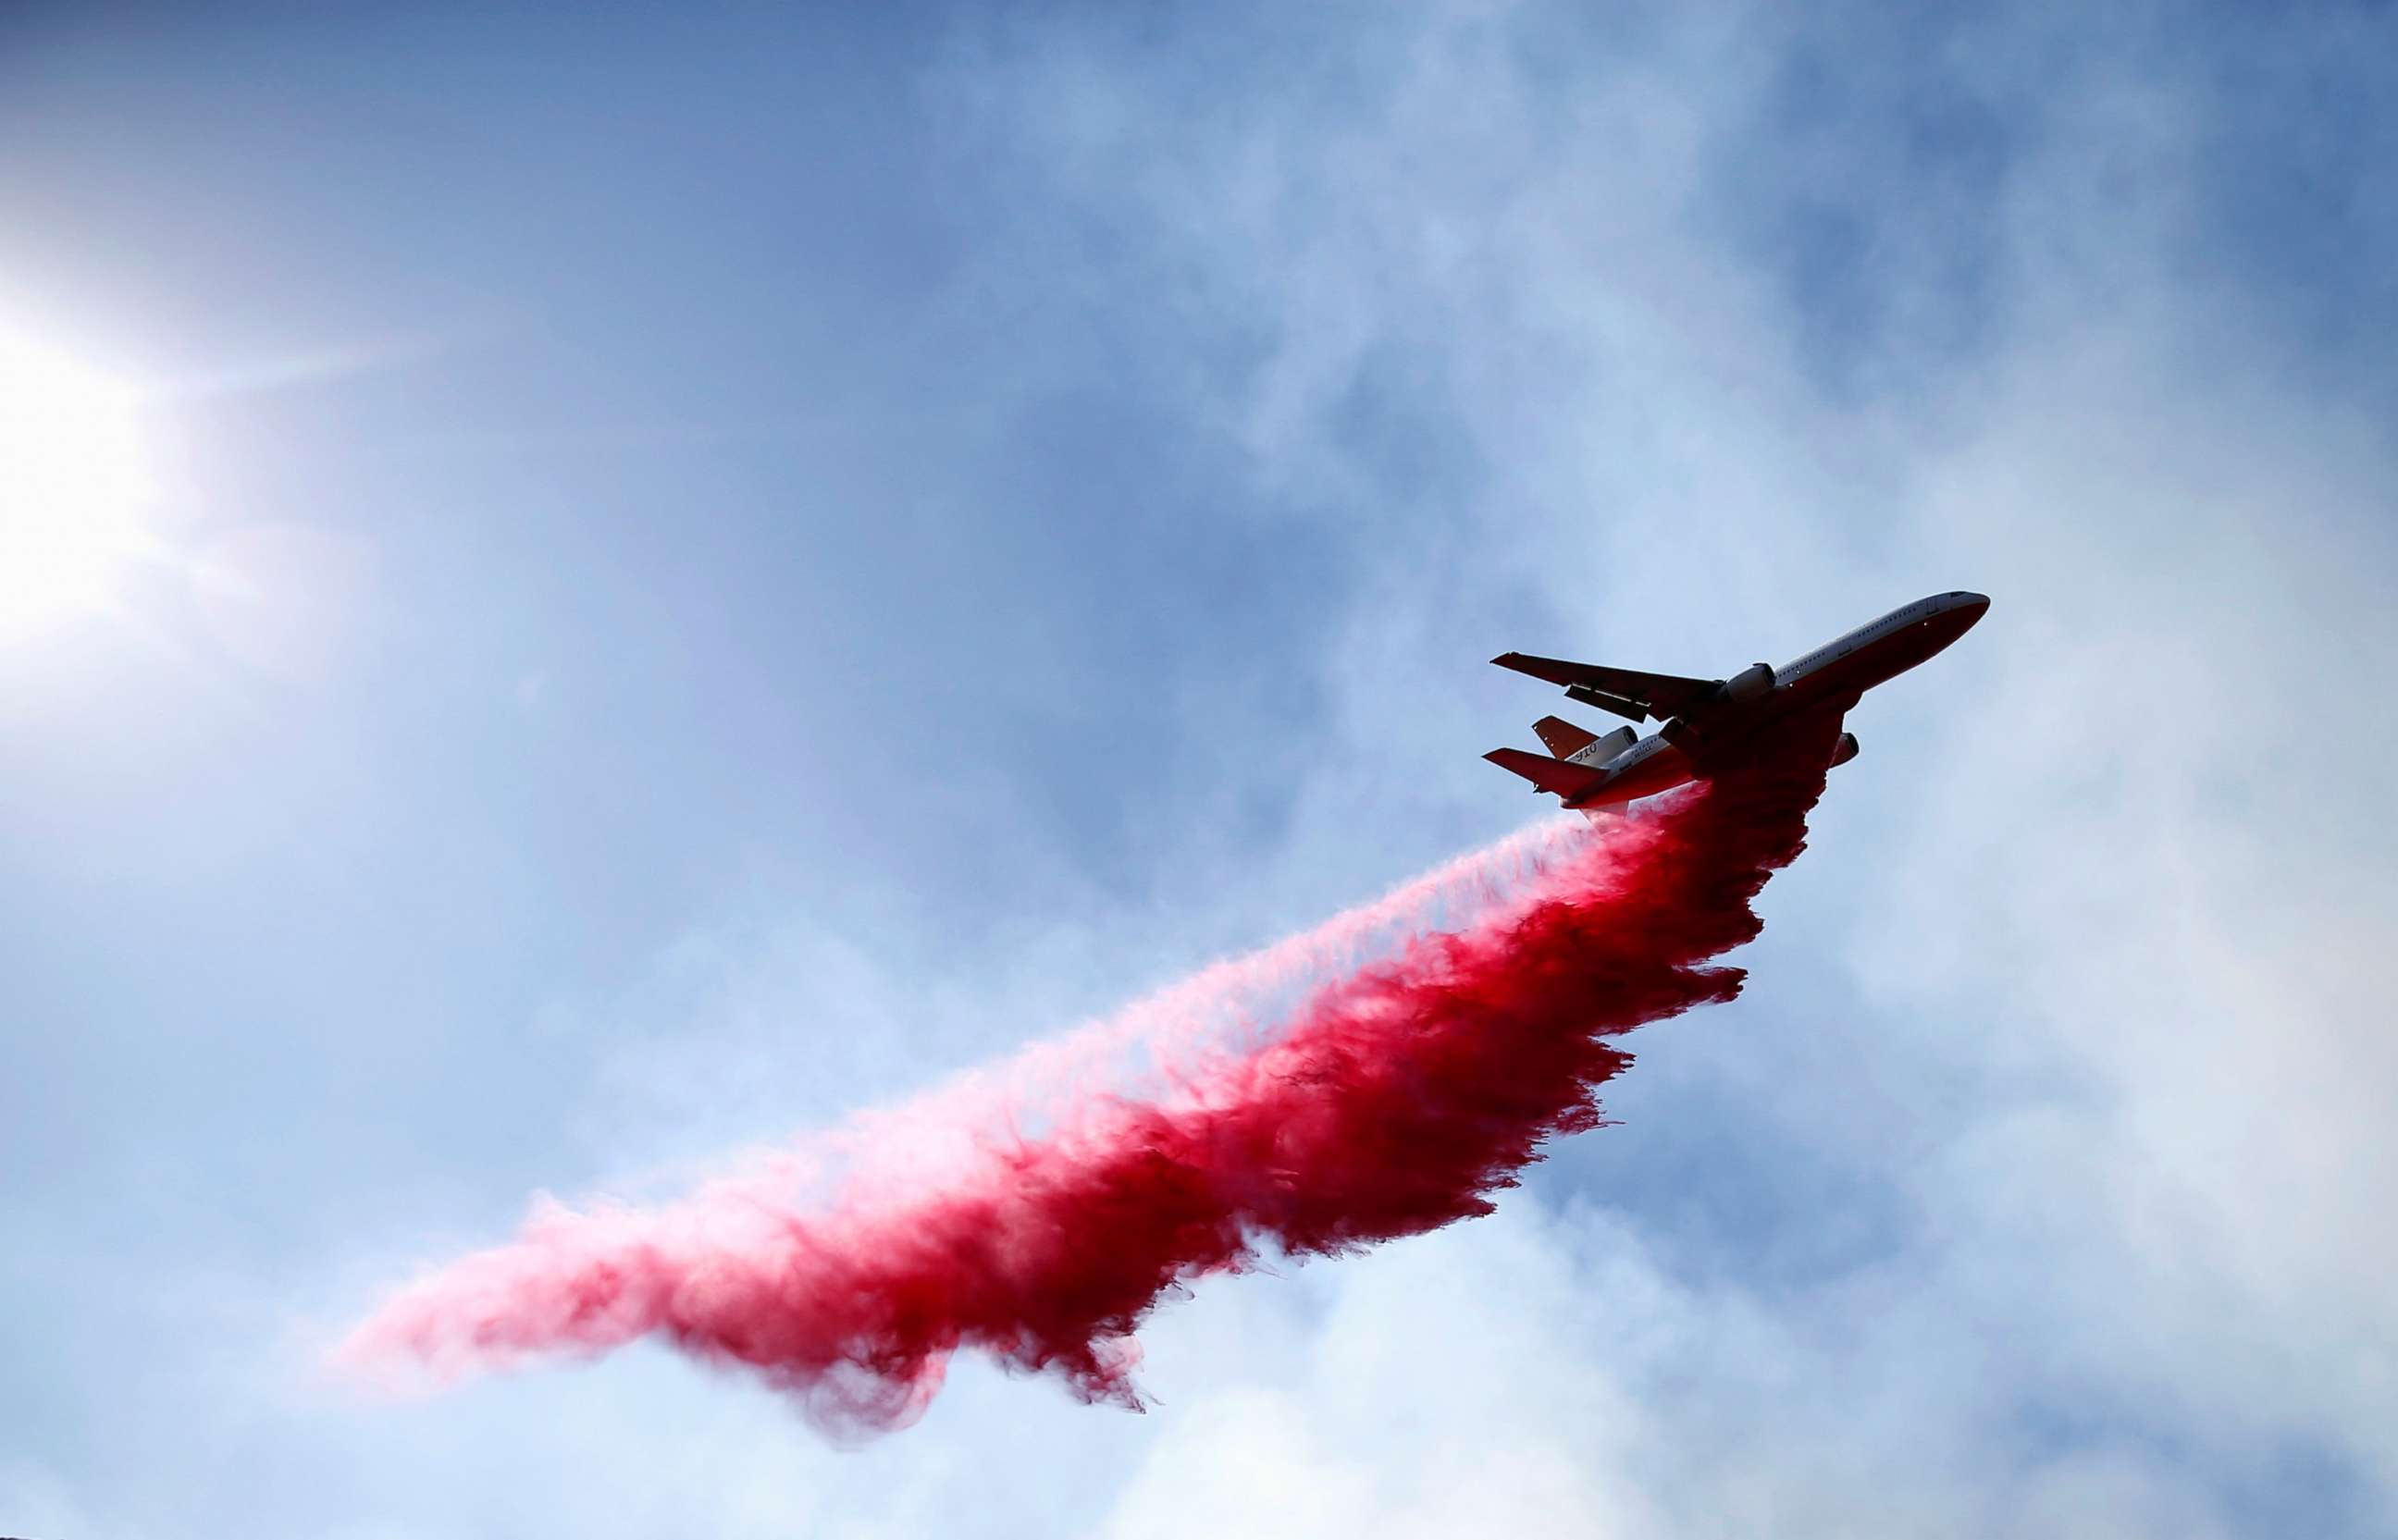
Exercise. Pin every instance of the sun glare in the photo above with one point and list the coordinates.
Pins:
(72, 488)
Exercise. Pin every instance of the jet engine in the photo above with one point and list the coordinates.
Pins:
(1846, 749)
(1750, 683)
(1606, 746)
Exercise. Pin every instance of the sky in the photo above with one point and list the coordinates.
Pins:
(686, 572)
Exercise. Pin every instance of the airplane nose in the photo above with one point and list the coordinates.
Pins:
(1975, 606)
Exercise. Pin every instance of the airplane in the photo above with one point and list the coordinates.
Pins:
(1707, 721)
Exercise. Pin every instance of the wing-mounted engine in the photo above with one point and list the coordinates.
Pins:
(1846, 749)
(1747, 685)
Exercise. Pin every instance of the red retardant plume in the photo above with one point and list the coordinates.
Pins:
(1395, 1100)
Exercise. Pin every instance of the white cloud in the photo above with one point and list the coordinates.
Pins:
(2104, 896)
(2112, 913)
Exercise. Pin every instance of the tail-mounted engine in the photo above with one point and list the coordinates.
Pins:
(1748, 684)
(1606, 746)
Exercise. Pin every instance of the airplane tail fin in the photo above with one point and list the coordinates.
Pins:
(1567, 780)
(1564, 739)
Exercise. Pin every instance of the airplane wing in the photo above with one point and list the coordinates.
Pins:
(1615, 689)
(1547, 774)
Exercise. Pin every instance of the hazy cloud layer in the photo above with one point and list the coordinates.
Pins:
(1125, 452)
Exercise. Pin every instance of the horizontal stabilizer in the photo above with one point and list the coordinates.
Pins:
(1659, 695)
(1564, 739)
(1547, 774)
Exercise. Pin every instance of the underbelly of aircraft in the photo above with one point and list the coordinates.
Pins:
(1662, 770)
